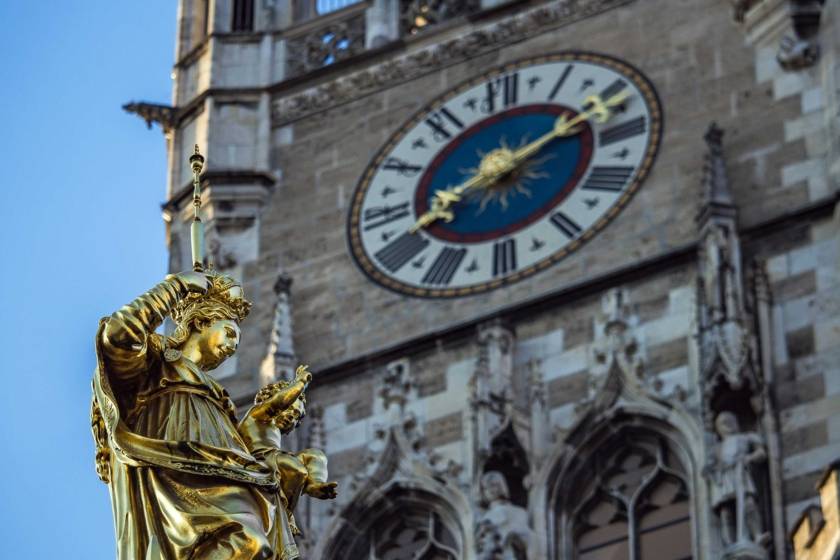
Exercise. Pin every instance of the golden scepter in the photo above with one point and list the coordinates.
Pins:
(197, 228)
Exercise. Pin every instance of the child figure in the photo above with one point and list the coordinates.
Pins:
(278, 409)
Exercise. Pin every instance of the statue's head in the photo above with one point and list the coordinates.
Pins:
(494, 487)
(288, 419)
(211, 320)
(726, 424)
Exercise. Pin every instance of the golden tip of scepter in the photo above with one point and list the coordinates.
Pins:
(197, 161)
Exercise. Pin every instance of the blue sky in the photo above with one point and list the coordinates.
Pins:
(82, 234)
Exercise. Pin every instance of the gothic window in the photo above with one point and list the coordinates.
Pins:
(326, 6)
(414, 534)
(334, 47)
(635, 506)
(331, 43)
(243, 15)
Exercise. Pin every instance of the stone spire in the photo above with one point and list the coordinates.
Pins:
(280, 360)
(724, 331)
(717, 196)
(720, 248)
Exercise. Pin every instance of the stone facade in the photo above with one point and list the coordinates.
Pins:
(702, 321)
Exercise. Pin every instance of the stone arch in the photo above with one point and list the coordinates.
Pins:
(399, 495)
(404, 519)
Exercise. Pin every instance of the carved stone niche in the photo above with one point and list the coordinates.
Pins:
(502, 530)
(508, 458)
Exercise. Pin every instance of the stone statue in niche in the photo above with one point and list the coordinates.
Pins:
(734, 494)
(502, 532)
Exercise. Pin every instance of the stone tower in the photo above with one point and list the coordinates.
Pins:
(649, 368)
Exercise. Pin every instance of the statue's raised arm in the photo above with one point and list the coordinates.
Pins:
(126, 335)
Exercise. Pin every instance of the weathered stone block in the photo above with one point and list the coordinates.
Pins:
(346, 462)
(445, 429)
(669, 355)
(800, 391)
(805, 438)
(800, 342)
(567, 389)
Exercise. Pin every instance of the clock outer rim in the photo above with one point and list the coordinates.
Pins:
(353, 220)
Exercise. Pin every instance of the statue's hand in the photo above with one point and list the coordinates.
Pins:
(193, 282)
(322, 490)
(303, 374)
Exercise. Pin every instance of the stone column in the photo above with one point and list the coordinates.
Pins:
(491, 387)
(382, 22)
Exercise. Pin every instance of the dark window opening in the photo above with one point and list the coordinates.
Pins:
(243, 15)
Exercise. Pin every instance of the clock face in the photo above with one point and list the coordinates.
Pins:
(505, 175)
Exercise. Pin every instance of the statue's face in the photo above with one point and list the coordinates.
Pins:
(217, 342)
(494, 486)
(287, 420)
(726, 424)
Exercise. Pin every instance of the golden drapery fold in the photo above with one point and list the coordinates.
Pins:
(182, 482)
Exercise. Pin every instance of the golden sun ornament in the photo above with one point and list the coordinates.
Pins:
(510, 179)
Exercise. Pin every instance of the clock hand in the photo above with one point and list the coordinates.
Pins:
(442, 200)
(599, 111)
(502, 161)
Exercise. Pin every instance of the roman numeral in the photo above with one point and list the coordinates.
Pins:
(381, 215)
(565, 224)
(622, 131)
(613, 89)
(404, 248)
(511, 89)
(504, 257)
(402, 167)
(444, 267)
(508, 86)
(438, 122)
(607, 178)
(560, 81)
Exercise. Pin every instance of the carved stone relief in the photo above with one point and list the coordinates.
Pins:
(399, 69)
(400, 475)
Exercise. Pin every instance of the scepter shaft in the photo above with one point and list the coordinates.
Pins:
(197, 227)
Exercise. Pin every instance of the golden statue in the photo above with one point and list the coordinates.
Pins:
(187, 479)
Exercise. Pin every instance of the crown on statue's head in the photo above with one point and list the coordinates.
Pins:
(224, 294)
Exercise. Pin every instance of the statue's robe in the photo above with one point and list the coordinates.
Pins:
(182, 481)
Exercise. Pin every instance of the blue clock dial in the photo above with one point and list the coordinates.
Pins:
(505, 175)
(526, 193)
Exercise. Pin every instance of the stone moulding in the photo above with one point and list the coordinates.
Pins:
(493, 36)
